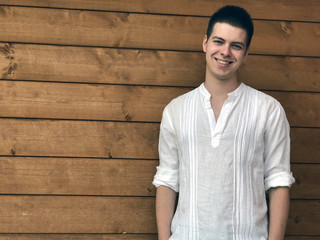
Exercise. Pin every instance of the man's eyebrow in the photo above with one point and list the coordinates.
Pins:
(219, 38)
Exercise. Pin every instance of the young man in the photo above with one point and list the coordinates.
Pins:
(223, 146)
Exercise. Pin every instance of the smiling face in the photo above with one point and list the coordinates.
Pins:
(225, 51)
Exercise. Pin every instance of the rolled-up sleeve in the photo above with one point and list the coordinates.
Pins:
(168, 170)
(277, 150)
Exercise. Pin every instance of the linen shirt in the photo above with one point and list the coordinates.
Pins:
(223, 169)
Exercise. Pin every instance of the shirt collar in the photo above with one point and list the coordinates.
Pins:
(237, 92)
(205, 92)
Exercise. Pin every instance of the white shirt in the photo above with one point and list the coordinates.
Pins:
(223, 169)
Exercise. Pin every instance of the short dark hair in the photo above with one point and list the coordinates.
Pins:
(235, 16)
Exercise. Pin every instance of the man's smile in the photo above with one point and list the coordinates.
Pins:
(223, 62)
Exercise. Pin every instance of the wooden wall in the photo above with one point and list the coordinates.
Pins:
(83, 85)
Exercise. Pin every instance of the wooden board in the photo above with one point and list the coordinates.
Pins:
(82, 101)
(123, 236)
(300, 107)
(285, 10)
(281, 73)
(122, 103)
(148, 67)
(101, 65)
(65, 214)
(107, 237)
(79, 139)
(301, 238)
(117, 177)
(83, 84)
(307, 183)
(111, 140)
(304, 218)
(77, 176)
(130, 30)
(305, 145)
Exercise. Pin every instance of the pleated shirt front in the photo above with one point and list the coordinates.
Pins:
(223, 169)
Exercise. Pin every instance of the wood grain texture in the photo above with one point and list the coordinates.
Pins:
(107, 237)
(285, 9)
(300, 107)
(101, 65)
(301, 238)
(130, 30)
(148, 67)
(307, 182)
(123, 236)
(304, 218)
(116, 177)
(305, 145)
(77, 176)
(83, 85)
(281, 73)
(61, 138)
(122, 103)
(271, 36)
(65, 214)
(82, 101)
(79, 139)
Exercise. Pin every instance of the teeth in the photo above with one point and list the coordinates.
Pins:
(222, 62)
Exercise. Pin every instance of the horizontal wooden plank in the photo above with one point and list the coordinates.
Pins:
(305, 145)
(301, 238)
(281, 73)
(130, 30)
(300, 107)
(69, 176)
(286, 10)
(286, 35)
(107, 237)
(123, 103)
(111, 139)
(304, 218)
(82, 101)
(62, 214)
(79, 139)
(101, 65)
(77, 176)
(123, 236)
(148, 67)
(307, 183)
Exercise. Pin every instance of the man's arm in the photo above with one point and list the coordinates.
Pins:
(165, 205)
(278, 212)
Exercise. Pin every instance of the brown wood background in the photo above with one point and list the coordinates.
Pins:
(83, 85)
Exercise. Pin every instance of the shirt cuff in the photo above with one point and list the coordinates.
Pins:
(167, 177)
(282, 179)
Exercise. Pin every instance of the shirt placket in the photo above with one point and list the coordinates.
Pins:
(217, 127)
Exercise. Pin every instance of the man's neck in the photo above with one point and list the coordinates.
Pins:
(221, 87)
(219, 90)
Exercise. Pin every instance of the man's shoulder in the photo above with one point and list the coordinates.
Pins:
(262, 100)
(181, 100)
(260, 96)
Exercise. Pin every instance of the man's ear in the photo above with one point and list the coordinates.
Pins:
(204, 43)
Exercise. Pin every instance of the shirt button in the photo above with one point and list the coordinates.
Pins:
(215, 143)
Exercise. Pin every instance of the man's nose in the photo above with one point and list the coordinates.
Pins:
(225, 50)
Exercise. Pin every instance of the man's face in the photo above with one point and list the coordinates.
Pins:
(225, 51)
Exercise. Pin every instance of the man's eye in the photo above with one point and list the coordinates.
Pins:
(237, 47)
(218, 42)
